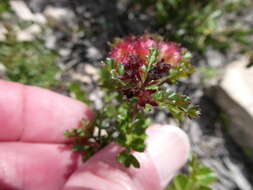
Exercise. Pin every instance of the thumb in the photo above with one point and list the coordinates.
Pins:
(167, 151)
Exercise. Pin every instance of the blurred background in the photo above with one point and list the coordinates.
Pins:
(59, 44)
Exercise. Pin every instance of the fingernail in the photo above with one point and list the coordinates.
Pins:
(168, 146)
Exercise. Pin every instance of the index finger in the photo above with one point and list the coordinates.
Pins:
(33, 114)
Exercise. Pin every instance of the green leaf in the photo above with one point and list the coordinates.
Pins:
(110, 63)
(114, 74)
(134, 161)
(121, 69)
(152, 57)
(128, 159)
(203, 188)
(181, 182)
(144, 68)
(193, 112)
(178, 105)
(250, 62)
(152, 87)
(138, 144)
(198, 177)
(122, 156)
(148, 108)
(187, 55)
(182, 69)
(205, 176)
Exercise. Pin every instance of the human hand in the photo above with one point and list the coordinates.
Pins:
(34, 156)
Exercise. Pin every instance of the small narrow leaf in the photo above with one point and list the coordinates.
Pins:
(110, 63)
(121, 69)
(250, 64)
(181, 182)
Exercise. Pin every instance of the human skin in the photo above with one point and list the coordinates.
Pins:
(34, 154)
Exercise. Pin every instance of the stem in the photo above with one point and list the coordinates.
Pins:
(133, 112)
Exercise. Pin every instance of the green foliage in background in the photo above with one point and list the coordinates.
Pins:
(4, 5)
(29, 62)
(195, 23)
(198, 177)
(76, 91)
(250, 64)
(208, 74)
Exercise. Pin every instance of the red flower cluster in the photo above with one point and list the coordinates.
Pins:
(132, 52)
(139, 46)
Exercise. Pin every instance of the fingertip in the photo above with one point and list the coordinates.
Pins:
(168, 147)
(103, 171)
